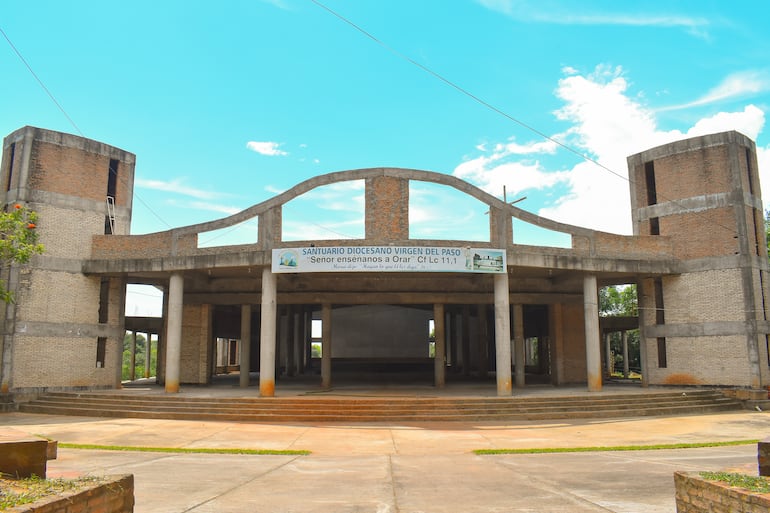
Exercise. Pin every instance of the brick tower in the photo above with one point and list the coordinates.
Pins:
(65, 328)
(708, 324)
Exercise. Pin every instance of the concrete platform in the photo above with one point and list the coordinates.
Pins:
(417, 467)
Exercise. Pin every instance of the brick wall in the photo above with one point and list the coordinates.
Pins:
(66, 232)
(196, 344)
(708, 296)
(61, 361)
(72, 298)
(714, 360)
(697, 495)
(116, 495)
(701, 234)
(73, 172)
(56, 316)
(574, 367)
(387, 208)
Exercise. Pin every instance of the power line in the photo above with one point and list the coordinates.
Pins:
(77, 129)
(50, 95)
(466, 92)
(493, 108)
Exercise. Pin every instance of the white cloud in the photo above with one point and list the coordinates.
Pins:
(213, 207)
(270, 149)
(275, 191)
(564, 13)
(340, 197)
(749, 122)
(607, 126)
(178, 187)
(322, 230)
(736, 85)
(516, 177)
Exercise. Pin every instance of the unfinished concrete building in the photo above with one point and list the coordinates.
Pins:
(501, 311)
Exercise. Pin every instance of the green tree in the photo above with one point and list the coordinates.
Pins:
(622, 301)
(139, 357)
(618, 300)
(18, 241)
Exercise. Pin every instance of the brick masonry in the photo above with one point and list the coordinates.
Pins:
(715, 312)
(116, 495)
(697, 495)
(706, 255)
(52, 331)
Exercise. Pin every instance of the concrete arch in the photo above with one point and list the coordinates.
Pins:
(362, 174)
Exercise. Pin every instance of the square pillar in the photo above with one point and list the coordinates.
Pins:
(174, 332)
(502, 334)
(593, 338)
(267, 332)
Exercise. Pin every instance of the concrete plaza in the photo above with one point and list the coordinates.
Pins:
(415, 467)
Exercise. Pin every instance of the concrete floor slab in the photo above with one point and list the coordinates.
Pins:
(419, 467)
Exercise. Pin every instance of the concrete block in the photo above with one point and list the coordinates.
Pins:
(22, 455)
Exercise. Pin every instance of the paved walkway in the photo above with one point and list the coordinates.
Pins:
(409, 467)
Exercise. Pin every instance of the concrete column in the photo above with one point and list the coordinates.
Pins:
(288, 340)
(593, 338)
(326, 346)
(148, 355)
(301, 340)
(608, 352)
(132, 358)
(280, 342)
(520, 356)
(483, 342)
(466, 340)
(267, 332)
(308, 340)
(502, 334)
(439, 353)
(174, 332)
(245, 353)
(643, 290)
(451, 346)
(557, 348)
(624, 338)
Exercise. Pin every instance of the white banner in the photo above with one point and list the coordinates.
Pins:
(430, 259)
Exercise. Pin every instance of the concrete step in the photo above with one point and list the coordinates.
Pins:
(268, 405)
(324, 409)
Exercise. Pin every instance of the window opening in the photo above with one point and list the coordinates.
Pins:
(662, 363)
(749, 171)
(316, 332)
(10, 166)
(112, 187)
(649, 176)
(112, 179)
(654, 226)
(660, 317)
(104, 300)
(101, 351)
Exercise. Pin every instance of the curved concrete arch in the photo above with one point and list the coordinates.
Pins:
(363, 174)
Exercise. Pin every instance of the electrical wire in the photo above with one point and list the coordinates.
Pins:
(72, 122)
(50, 95)
(495, 109)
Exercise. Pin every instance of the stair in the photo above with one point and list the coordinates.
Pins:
(380, 409)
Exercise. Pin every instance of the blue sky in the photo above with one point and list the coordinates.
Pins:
(227, 104)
